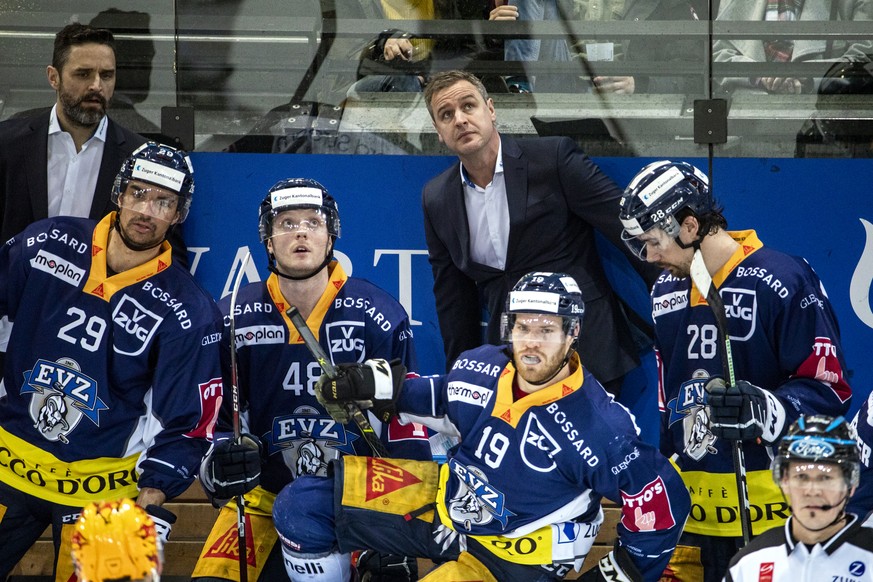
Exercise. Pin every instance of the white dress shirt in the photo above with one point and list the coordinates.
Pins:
(488, 217)
(72, 175)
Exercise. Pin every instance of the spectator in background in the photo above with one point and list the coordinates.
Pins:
(782, 50)
(657, 48)
(416, 56)
(552, 49)
(513, 206)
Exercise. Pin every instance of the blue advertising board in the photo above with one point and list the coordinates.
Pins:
(818, 209)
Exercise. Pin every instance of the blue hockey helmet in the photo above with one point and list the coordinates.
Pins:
(820, 439)
(160, 165)
(293, 193)
(546, 293)
(656, 194)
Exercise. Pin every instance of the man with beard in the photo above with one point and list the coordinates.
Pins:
(541, 444)
(62, 162)
(785, 346)
(113, 379)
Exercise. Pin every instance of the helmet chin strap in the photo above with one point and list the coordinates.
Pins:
(133, 245)
(564, 362)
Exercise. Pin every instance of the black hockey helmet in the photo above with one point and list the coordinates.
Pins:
(820, 439)
(656, 195)
(547, 293)
(293, 193)
(161, 165)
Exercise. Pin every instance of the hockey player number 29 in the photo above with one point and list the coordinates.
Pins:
(703, 342)
(93, 332)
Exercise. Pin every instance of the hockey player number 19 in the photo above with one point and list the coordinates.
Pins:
(497, 445)
(703, 342)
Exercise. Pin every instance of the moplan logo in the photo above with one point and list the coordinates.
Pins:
(669, 303)
(57, 267)
(260, 334)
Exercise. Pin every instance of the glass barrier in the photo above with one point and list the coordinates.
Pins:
(621, 77)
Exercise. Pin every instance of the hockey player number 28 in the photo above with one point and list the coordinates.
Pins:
(703, 343)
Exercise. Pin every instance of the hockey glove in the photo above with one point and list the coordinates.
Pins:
(743, 412)
(616, 566)
(164, 520)
(373, 566)
(232, 469)
(374, 383)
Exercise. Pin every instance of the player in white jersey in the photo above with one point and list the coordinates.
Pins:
(112, 380)
(817, 470)
(541, 443)
(353, 319)
(116, 541)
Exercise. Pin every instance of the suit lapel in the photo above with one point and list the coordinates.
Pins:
(110, 163)
(36, 173)
(515, 178)
(454, 200)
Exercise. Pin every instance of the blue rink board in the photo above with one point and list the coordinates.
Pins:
(819, 209)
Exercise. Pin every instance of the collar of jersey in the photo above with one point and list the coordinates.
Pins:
(98, 284)
(338, 278)
(511, 412)
(749, 243)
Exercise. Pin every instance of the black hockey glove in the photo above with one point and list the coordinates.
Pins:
(373, 566)
(232, 469)
(375, 383)
(164, 520)
(743, 412)
(616, 566)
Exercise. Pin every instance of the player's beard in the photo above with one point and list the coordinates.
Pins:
(544, 370)
(144, 240)
(79, 115)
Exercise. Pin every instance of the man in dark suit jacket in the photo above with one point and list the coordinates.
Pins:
(83, 75)
(555, 198)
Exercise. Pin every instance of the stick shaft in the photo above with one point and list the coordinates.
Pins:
(321, 356)
(703, 281)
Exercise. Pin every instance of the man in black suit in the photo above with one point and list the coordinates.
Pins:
(513, 207)
(40, 156)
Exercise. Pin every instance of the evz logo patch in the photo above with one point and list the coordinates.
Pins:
(538, 448)
(688, 407)
(476, 502)
(137, 326)
(308, 440)
(346, 337)
(61, 396)
(741, 307)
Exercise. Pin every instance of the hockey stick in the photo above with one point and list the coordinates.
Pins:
(352, 408)
(237, 430)
(703, 281)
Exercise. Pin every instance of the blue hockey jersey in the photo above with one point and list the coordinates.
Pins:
(353, 320)
(784, 337)
(111, 382)
(547, 458)
(861, 502)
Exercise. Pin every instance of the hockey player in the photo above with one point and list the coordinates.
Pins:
(541, 444)
(817, 471)
(786, 355)
(116, 540)
(112, 386)
(353, 319)
(861, 502)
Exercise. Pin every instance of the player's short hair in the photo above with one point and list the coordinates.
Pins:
(76, 34)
